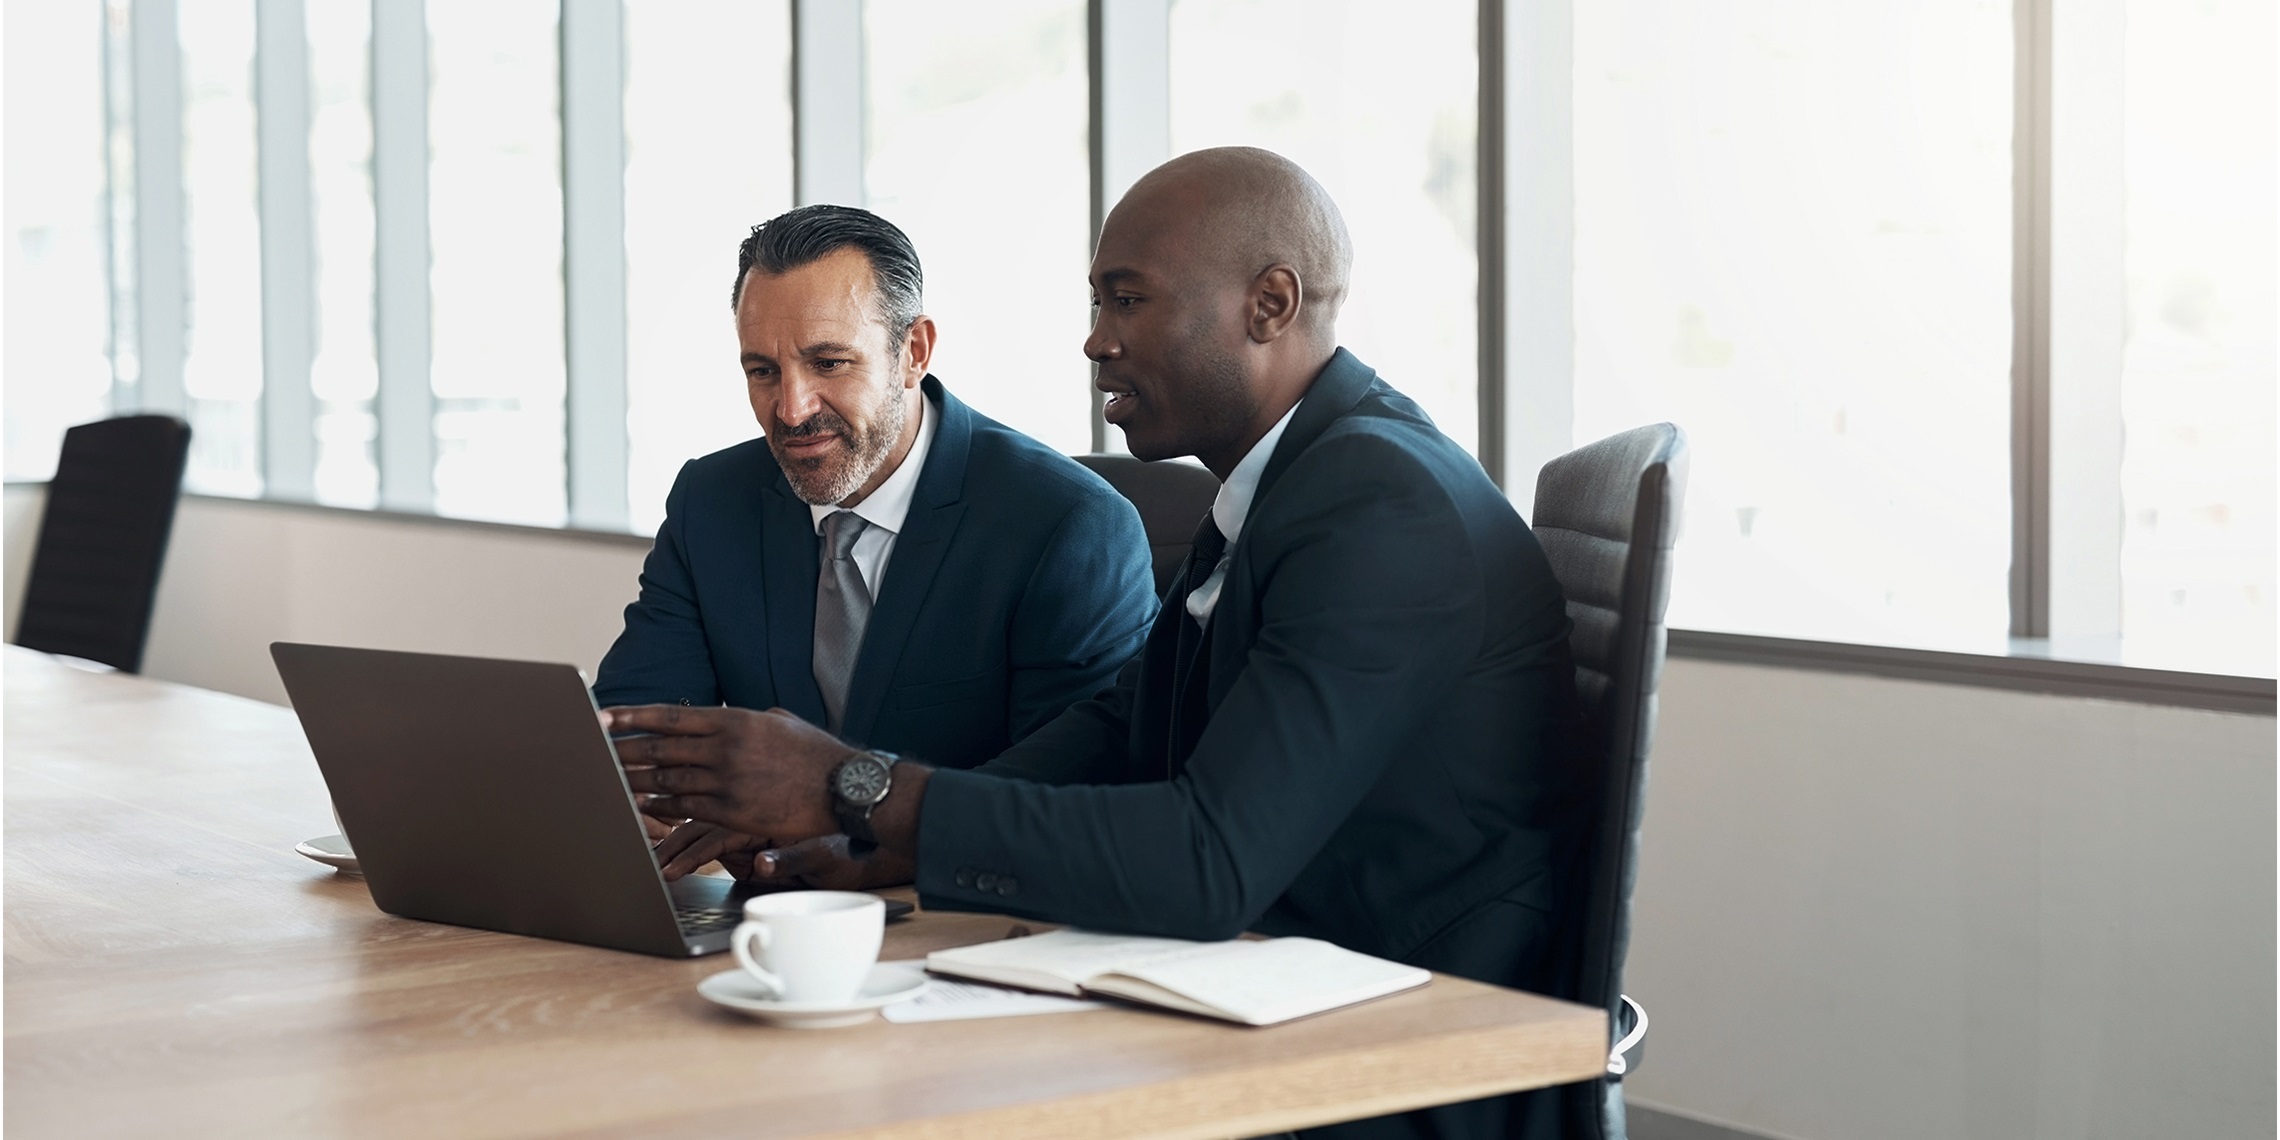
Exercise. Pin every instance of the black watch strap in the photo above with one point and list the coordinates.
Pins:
(854, 815)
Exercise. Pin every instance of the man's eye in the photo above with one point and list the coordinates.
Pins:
(760, 375)
(829, 365)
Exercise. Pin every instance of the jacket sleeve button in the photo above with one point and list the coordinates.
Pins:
(964, 877)
(986, 881)
(1007, 885)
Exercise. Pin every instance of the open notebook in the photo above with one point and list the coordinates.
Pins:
(1253, 983)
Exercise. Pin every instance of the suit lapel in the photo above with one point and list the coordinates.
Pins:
(936, 506)
(1342, 384)
(788, 575)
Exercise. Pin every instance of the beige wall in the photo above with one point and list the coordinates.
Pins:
(1886, 910)
(241, 575)
(1867, 909)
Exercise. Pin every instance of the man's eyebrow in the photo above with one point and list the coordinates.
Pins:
(1110, 278)
(827, 348)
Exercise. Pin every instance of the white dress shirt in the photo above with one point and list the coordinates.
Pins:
(886, 507)
(1229, 508)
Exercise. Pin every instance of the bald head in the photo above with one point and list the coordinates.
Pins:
(1239, 210)
(1216, 288)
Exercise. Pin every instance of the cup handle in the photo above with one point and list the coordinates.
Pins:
(746, 933)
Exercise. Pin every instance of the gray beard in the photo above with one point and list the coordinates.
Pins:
(828, 481)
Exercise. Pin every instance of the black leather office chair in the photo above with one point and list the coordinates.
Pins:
(1172, 497)
(103, 538)
(1607, 515)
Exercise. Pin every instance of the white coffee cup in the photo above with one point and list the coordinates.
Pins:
(810, 946)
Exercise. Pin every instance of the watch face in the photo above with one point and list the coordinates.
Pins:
(863, 780)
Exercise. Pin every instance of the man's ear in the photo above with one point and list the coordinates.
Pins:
(1276, 295)
(918, 350)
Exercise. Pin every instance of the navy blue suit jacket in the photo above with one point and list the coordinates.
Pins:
(1019, 585)
(1377, 748)
(1387, 730)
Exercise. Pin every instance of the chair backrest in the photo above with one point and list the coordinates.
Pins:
(1172, 497)
(103, 538)
(1607, 515)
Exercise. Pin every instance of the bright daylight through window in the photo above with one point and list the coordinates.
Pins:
(495, 216)
(1309, 79)
(985, 168)
(692, 191)
(2199, 185)
(1793, 239)
(57, 348)
(1798, 230)
(221, 370)
(344, 377)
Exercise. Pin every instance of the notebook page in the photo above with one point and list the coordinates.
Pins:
(1071, 956)
(1271, 981)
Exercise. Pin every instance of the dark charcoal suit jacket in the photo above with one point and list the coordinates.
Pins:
(1387, 743)
(1019, 585)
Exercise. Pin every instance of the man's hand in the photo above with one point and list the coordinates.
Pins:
(824, 864)
(760, 773)
(657, 829)
(692, 845)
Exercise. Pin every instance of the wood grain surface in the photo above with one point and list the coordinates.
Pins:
(173, 968)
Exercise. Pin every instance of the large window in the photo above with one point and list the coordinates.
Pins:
(344, 377)
(221, 369)
(2198, 357)
(495, 210)
(695, 184)
(1968, 306)
(1379, 102)
(1792, 238)
(56, 351)
(975, 137)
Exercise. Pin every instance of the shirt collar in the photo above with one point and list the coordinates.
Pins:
(886, 507)
(1233, 503)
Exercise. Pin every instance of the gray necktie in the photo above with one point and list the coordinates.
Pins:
(842, 609)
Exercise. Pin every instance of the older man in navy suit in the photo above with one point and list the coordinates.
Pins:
(886, 563)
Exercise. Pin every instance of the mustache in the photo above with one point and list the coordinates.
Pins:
(821, 423)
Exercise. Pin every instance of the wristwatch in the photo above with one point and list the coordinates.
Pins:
(859, 784)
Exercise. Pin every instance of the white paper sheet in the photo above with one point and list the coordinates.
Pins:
(949, 999)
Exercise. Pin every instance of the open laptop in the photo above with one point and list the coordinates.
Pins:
(485, 793)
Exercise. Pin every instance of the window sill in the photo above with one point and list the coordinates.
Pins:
(2101, 670)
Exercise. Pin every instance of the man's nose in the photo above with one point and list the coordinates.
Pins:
(798, 397)
(1100, 347)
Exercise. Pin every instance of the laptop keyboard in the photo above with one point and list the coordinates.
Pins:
(705, 920)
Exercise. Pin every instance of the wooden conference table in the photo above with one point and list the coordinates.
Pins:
(174, 968)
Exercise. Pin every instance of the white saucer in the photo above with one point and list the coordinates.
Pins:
(332, 851)
(741, 992)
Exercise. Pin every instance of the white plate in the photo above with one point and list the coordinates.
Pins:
(885, 986)
(332, 851)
